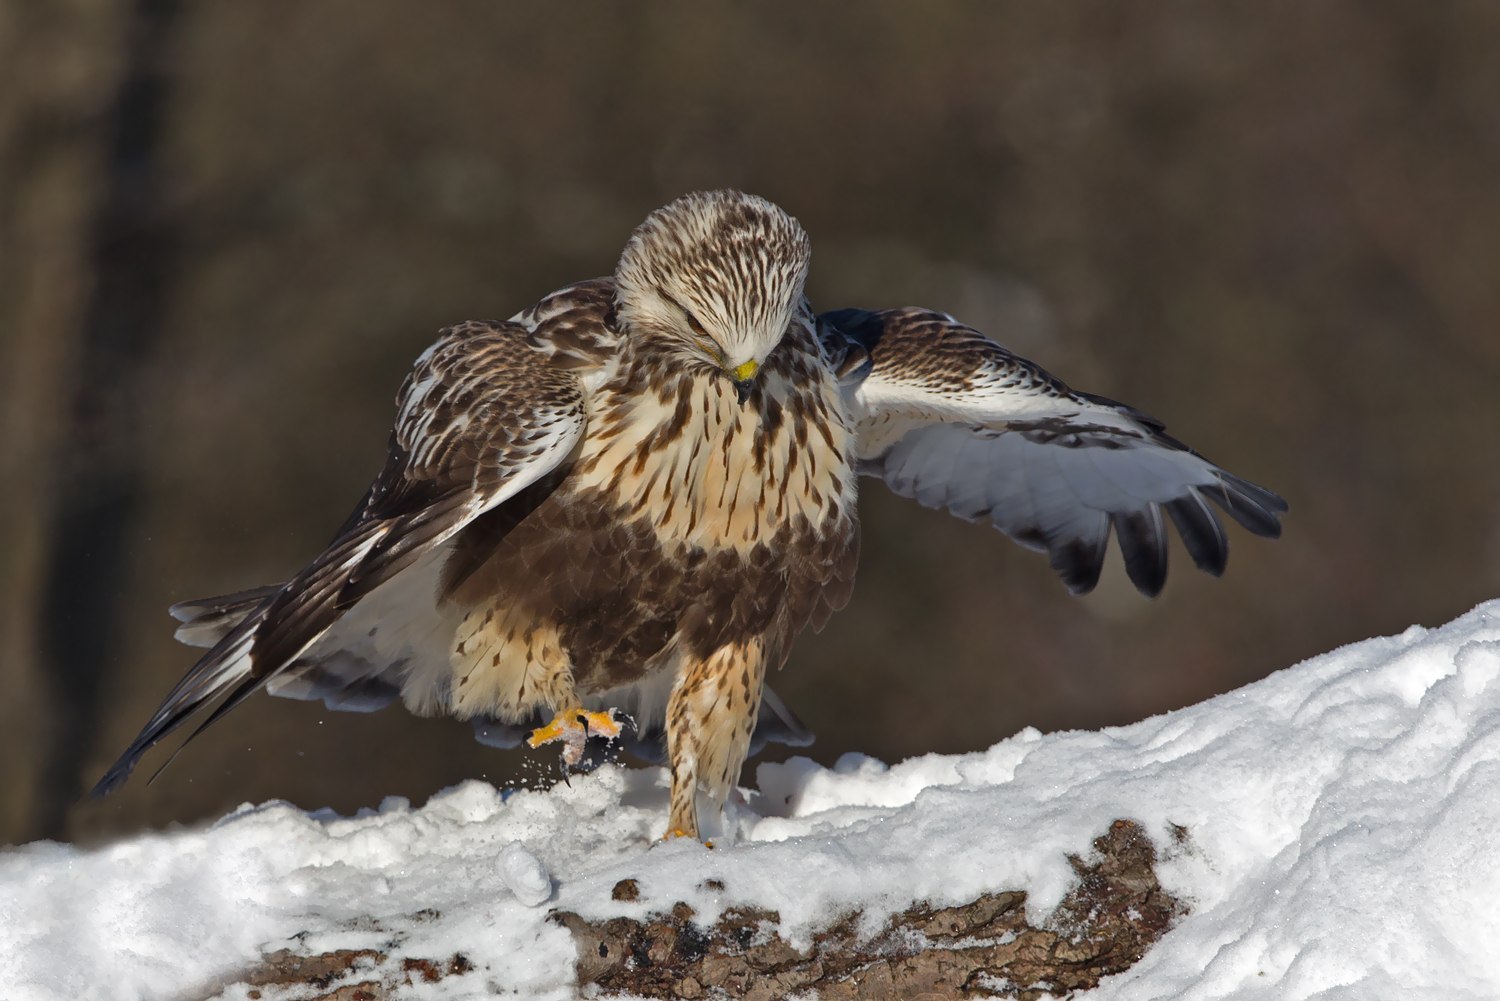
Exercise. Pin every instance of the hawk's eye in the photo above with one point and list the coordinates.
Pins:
(692, 321)
(697, 328)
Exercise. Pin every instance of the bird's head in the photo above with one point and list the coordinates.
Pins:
(717, 277)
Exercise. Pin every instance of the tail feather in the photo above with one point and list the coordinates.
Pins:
(206, 621)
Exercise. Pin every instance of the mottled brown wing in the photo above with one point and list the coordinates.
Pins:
(948, 417)
(483, 415)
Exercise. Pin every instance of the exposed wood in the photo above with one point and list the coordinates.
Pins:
(985, 947)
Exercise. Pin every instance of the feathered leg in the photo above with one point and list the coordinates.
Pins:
(710, 716)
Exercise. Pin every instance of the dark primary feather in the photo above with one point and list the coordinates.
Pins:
(950, 418)
(198, 687)
(482, 415)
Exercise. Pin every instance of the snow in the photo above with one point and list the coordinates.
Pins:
(1339, 816)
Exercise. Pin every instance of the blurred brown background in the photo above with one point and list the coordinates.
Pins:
(227, 229)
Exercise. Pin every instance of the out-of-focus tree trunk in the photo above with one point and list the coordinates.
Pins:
(57, 60)
(81, 252)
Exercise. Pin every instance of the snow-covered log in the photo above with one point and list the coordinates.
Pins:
(1338, 819)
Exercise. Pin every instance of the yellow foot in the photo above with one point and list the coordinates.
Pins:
(678, 832)
(574, 727)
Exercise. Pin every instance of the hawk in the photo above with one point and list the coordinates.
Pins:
(635, 494)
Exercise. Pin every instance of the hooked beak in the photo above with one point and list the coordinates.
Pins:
(744, 380)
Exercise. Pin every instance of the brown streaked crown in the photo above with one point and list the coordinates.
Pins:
(717, 265)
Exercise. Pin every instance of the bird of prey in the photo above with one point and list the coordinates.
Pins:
(635, 494)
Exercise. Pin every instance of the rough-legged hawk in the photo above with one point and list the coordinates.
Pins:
(636, 493)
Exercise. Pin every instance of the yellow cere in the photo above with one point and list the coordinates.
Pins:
(746, 371)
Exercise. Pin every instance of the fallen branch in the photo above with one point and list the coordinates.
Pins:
(985, 947)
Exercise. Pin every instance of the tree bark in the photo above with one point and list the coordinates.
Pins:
(983, 948)
(61, 63)
(89, 293)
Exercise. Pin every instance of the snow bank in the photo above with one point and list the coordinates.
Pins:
(1339, 817)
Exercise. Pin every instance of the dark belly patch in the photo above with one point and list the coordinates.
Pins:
(616, 597)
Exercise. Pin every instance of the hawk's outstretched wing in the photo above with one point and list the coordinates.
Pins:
(482, 416)
(948, 417)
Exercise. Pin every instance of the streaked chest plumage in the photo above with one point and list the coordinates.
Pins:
(707, 471)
